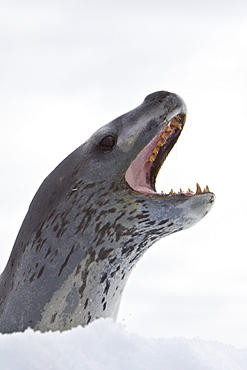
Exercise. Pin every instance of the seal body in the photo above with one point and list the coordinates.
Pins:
(92, 219)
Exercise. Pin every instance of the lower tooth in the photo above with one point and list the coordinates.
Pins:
(152, 158)
(198, 189)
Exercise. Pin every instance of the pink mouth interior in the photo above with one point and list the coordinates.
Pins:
(138, 173)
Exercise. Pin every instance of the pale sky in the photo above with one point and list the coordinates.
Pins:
(69, 67)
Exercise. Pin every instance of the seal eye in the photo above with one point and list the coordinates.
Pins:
(107, 143)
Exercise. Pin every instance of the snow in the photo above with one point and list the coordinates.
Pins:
(106, 345)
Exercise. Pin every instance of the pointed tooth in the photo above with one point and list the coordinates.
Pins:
(176, 124)
(207, 189)
(180, 191)
(198, 189)
(190, 191)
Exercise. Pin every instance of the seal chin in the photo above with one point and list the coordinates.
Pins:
(142, 172)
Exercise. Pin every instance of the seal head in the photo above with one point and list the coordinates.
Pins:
(92, 219)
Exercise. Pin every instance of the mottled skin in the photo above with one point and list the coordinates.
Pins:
(86, 228)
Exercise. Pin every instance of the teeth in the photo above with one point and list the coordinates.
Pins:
(156, 150)
(160, 143)
(198, 190)
(164, 136)
(168, 128)
(176, 124)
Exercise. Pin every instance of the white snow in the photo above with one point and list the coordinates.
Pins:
(106, 345)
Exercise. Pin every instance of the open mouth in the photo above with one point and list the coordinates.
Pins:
(142, 173)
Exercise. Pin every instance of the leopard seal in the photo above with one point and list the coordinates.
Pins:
(93, 218)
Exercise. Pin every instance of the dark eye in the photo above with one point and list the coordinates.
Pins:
(107, 143)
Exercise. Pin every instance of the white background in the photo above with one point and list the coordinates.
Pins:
(69, 67)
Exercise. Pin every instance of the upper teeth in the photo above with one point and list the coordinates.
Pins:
(174, 123)
(156, 150)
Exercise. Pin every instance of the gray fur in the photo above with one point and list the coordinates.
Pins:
(86, 228)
